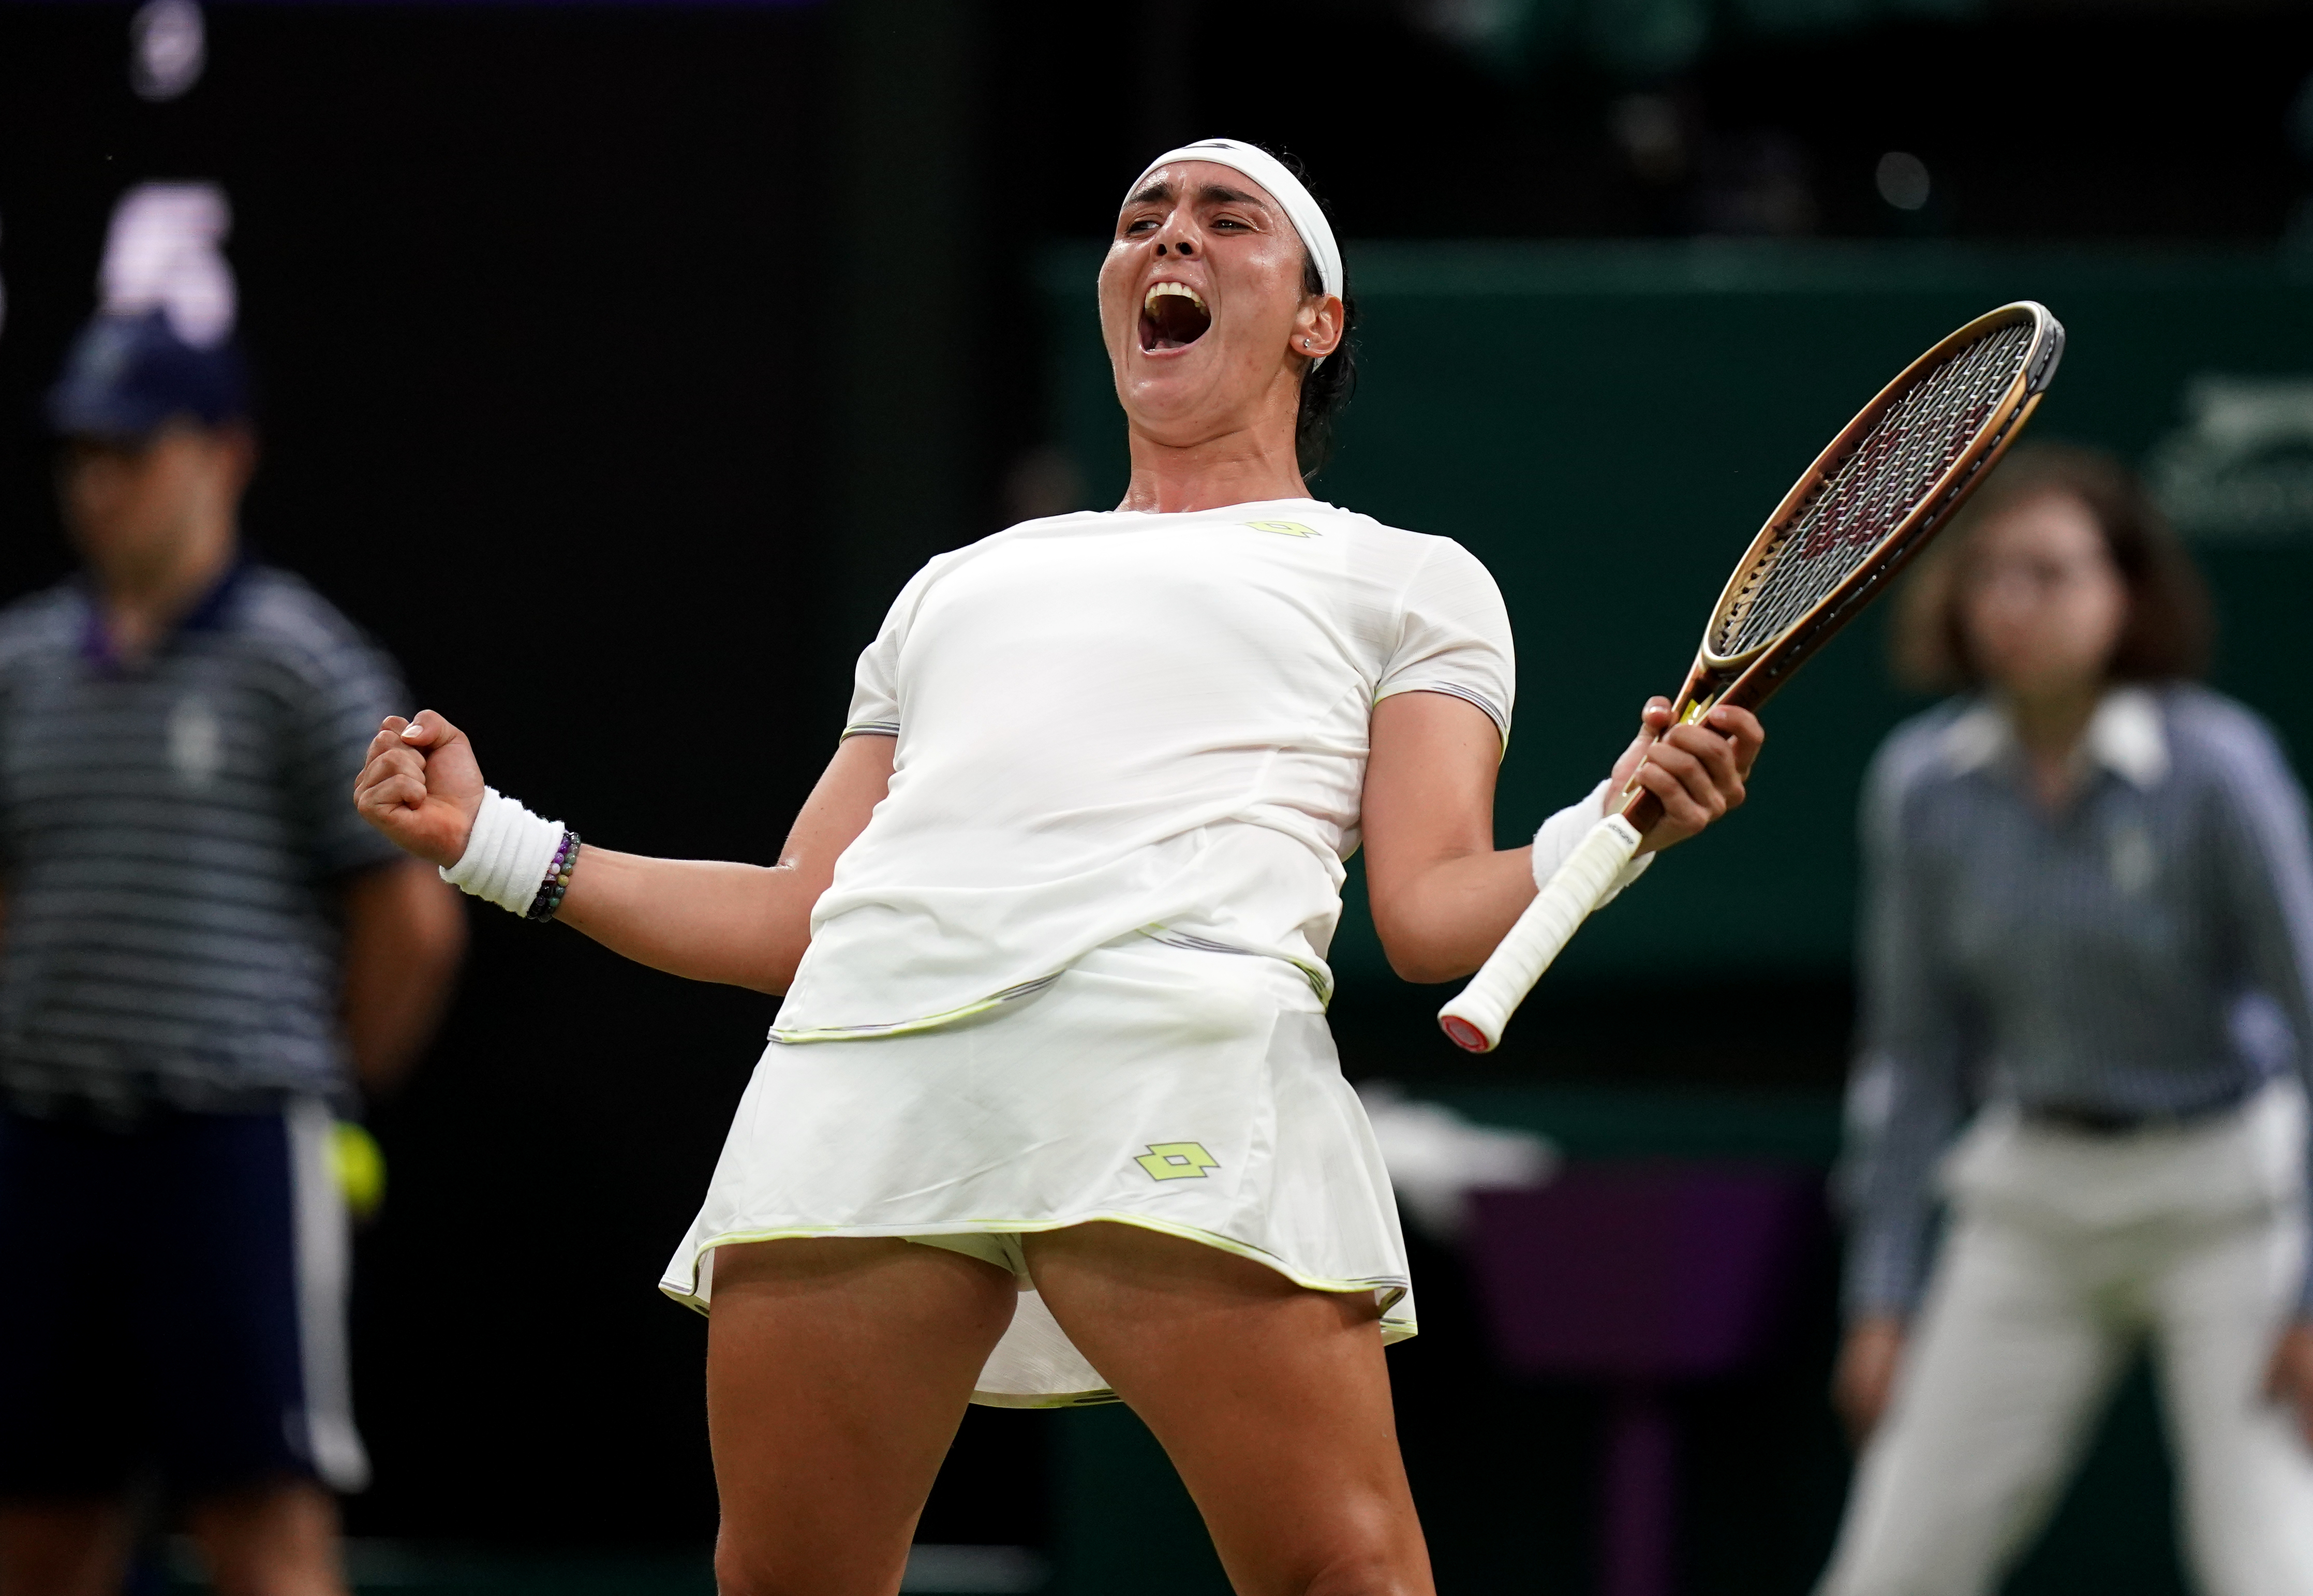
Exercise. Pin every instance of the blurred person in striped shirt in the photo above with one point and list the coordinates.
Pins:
(2087, 961)
(203, 955)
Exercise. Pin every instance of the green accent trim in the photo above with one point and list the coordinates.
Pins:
(1320, 980)
(1392, 1291)
(1047, 1404)
(901, 1027)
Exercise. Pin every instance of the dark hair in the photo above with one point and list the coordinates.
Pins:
(2166, 634)
(1326, 386)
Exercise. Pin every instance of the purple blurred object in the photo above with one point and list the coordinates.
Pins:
(1642, 1274)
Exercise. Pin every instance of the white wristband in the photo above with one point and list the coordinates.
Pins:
(1564, 832)
(506, 854)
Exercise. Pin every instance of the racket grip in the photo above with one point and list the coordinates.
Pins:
(1475, 1019)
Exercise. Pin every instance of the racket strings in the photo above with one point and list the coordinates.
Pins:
(1892, 468)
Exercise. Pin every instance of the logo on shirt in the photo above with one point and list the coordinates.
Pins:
(1176, 1160)
(196, 742)
(1292, 529)
(2133, 861)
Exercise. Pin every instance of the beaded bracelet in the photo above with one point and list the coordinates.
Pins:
(548, 901)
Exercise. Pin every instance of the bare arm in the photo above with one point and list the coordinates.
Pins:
(405, 934)
(1442, 895)
(1865, 1376)
(742, 925)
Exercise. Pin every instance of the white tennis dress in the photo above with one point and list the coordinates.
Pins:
(1074, 967)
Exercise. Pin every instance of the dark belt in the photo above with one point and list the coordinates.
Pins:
(2085, 1119)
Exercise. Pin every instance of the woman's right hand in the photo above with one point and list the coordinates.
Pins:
(1866, 1376)
(421, 787)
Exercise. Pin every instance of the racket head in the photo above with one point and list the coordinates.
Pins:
(1872, 499)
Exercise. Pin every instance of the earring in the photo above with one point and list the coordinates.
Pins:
(1305, 343)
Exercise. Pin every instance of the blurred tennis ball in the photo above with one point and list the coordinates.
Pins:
(359, 1164)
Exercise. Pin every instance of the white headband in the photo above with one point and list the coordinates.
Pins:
(1301, 208)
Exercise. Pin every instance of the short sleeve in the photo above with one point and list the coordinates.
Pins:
(342, 693)
(875, 683)
(1454, 636)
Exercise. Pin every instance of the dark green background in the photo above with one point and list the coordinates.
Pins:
(1606, 426)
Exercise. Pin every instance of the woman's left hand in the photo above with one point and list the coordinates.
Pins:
(1698, 772)
(2289, 1378)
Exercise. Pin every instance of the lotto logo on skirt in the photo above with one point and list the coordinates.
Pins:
(1176, 1160)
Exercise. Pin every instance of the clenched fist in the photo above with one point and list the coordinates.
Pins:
(421, 786)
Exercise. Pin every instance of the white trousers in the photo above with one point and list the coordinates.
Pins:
(2065, 1252)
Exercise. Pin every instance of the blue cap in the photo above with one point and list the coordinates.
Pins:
(129, 374)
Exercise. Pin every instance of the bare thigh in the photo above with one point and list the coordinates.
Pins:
(837, 1371)
(1272, 1400)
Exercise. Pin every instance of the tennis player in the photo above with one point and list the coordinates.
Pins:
(1051, 1113)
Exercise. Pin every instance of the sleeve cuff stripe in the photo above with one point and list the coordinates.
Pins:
(1495, 712)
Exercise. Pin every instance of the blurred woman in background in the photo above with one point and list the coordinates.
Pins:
(2086, 955)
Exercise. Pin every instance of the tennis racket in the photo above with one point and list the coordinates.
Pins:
(1868, 503)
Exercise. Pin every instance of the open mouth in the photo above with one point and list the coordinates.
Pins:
(1172, 317)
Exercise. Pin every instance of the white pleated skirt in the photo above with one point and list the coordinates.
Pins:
(1196, 1093)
